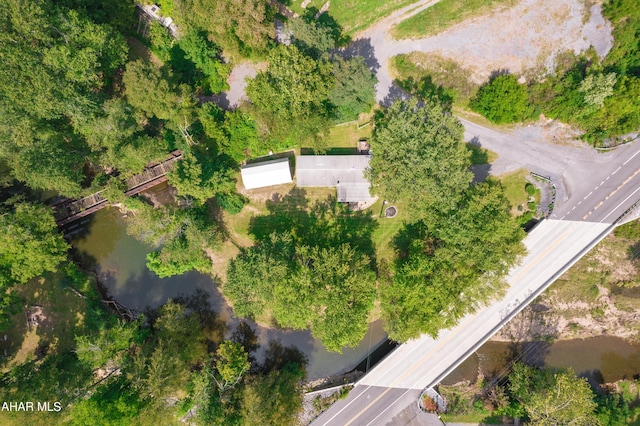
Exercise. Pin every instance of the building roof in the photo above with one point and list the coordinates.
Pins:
(266, 173)
(346, 172)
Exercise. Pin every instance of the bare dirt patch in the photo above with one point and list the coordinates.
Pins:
(526, 36)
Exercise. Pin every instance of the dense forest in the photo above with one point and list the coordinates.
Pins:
(92, 91)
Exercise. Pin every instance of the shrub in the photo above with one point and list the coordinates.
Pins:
(232, 203)
(531, 190)
(503, 100)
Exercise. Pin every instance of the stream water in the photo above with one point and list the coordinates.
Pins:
(602, 359)
(119, 261)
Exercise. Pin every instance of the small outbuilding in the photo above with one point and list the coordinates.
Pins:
(266, 173)
(345, 172)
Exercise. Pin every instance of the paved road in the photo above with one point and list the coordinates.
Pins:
(553, 246)
(592, 186)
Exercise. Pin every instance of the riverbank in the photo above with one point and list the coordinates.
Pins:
(598, 296)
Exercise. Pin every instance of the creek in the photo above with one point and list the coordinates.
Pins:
(119, 262)
(602, 359)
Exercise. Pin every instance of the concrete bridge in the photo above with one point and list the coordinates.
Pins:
(596, 192)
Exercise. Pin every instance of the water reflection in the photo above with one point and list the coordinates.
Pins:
(602, 359)
(119, 261)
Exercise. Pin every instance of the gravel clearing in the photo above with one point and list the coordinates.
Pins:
(525, 37)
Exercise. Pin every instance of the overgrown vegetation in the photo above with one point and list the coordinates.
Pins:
(542, 396)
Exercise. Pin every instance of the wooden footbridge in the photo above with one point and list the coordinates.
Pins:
(69, 210)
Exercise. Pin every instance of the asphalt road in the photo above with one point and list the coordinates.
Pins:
(553, 246)
(592, 186)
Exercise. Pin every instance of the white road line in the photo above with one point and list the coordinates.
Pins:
(630, 158)
(563, 217)
(574, 207)
(616, 171)
(616, 207)
(601, 183)
(390, 405)
(608, 177)
(579, 202)
(588, 195)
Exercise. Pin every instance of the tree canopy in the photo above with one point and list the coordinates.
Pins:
(553, 397)
(29, 243)
(444, 269)
(502, 100)
(420, 158)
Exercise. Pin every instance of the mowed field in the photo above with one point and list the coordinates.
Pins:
(352, 15)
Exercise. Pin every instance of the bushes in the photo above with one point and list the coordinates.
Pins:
(503, 100)
(232, 203)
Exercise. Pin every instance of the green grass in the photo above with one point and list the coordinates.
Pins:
(444, 14)
(64, 314)
(353, 15)
(348, 135)
(481, 155)
(443, 72)
(514, 189)
(387, 229)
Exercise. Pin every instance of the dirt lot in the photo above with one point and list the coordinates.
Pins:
(522, 39)
(527, 36)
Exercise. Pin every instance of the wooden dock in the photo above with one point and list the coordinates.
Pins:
(70, 210)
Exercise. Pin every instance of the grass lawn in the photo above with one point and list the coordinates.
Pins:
(387, 229)
(514, 189)
(443, 72)
(63, 315)
(353, 15)
(481, 155)
(348, 135)
(444, 14)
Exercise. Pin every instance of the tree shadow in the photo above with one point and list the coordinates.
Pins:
(361, 47)
(277, 356)
(480, 172)
(396, 93)
(325, 224)
(247, 337)
(497, 73)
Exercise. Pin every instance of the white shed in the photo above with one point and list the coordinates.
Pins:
(266, 173)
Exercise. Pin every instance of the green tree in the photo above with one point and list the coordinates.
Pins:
(444, 270)
(354, 90)
(149, 88)
(202, 178)
(310, 36)
(205, 55)
(502, 100)
(107, 346)
(329, 290)
(274, 399)
(232, 363)
(29, 243)
(420, 158)
(553, 397)
(597, 87)
(294, 88)
(242, 27)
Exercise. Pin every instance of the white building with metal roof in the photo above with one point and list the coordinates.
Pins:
(345, 172)
(266, 173)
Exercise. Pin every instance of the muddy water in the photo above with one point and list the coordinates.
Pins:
(601, 359)
(119, 261)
